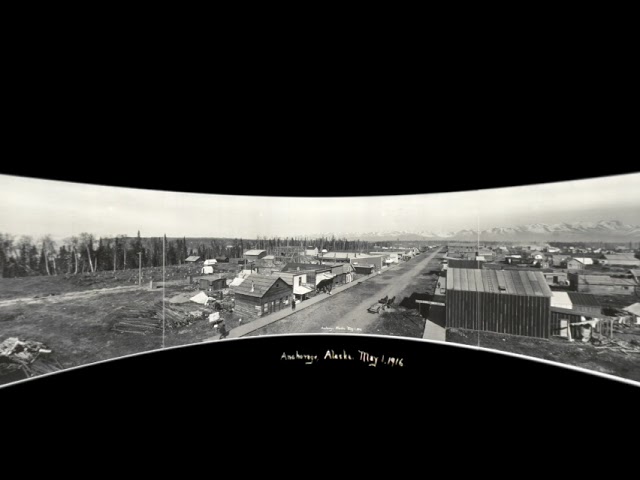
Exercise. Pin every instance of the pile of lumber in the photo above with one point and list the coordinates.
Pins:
(619, 346)
(137, 320)
(33, 358)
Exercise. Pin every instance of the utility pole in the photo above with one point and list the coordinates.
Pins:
(163, 282)
(139, 268)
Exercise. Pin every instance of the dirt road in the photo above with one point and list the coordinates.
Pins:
(346, 312)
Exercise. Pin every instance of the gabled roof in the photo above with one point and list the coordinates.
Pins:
(511, 282)
(254, 252)
(289, 276)
(261, 284)
(584, 260)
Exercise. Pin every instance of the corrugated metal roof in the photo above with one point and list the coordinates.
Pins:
(606, 280)
(254, 252)
(261, 284)
(511, 282)
(583, 299)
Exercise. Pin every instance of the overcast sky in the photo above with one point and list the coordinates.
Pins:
(37, 207)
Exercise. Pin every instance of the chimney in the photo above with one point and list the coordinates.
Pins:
(252, 287)
(298, 268)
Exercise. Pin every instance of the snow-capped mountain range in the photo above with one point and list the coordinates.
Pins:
(576, 231)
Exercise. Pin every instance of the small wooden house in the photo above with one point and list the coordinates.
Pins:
(262, 294)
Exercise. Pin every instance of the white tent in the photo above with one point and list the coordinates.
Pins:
(207, 270)
(201, 298)
(211, 261)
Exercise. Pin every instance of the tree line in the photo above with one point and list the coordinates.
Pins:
(86, 253)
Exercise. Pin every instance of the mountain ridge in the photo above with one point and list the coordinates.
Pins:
(604, 230)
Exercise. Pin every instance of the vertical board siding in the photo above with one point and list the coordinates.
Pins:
(499, 312)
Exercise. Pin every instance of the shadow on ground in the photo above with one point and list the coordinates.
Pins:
(436, 314)
(410, 302)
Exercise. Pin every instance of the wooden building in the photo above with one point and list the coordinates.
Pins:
(364, 269)
(577, 264)
(262, 294)
(488, 255)
(510, 301)
(212, 283)
(460, 263)
(222, 259)
(556, 279)
(562, 318)
(342, 272)
(253, 255)
(585, 302)
(314, 272)
(620, 260)
(192, 259)
(227, 267)
(298, 280)
(602, 284)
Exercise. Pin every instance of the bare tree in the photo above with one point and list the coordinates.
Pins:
(86, 241)
(48, 250)
(73, 241)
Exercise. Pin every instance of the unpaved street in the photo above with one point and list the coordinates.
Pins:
(346, 312)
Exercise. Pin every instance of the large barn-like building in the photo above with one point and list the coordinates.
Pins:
(511, 301)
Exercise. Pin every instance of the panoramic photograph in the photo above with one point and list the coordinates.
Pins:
(91, 273)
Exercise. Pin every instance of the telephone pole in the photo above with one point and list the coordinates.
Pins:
(139, 268)
(163, 281)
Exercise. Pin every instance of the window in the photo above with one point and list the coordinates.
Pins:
(299, 280)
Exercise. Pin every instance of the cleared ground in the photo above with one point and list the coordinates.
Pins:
(346, 312)
(42, 286)
(599, 359)
(81, 329)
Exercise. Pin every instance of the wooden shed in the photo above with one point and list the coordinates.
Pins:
(364, 269)
(262, 294)
(585, 302)
(512, 301)
(602, 284)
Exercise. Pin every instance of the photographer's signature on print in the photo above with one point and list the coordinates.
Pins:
(341, 329)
